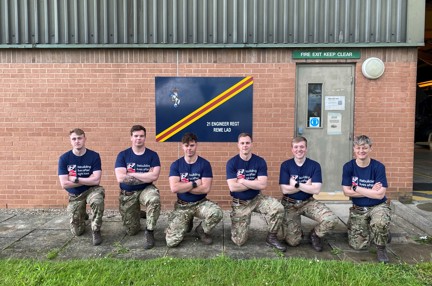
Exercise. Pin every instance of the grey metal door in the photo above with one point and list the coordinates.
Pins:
(325, 97)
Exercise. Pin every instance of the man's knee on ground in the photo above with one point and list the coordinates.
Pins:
(173, 244)
(239, 241)
(359, 246)
(77, 231)
(293, 241)
(358, 243)
(131, 231)
(173, 240)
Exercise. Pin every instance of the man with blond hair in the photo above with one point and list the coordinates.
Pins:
(80, 173)
(364, 180)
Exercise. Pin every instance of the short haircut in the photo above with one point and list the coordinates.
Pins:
(298, 139)
(138, 128)
(362, 140)
(77, 131)
(189, 137)
(244, 134)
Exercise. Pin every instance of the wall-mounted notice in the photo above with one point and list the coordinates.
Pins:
(334, 103)
(334, 123)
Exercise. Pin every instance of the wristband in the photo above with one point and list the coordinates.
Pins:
(194, 185)
(76, 180)
(297, 185)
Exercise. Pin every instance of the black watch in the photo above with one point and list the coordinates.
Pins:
(354, 188)
(76, 180)
(297, 185)
(194, 185)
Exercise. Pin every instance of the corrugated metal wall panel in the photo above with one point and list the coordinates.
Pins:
(215, 23)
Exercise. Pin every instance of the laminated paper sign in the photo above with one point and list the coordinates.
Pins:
(334, 123)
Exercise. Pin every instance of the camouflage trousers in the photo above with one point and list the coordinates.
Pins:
(241, 216)
(369, 226)
(130, 209)
(178, 220)
(315, 210)
(76, 209)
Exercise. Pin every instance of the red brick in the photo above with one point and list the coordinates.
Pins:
(106, 91)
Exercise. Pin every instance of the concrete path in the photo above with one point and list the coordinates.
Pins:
(38, 234)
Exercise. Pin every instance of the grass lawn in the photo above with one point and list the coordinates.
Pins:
(217, 271)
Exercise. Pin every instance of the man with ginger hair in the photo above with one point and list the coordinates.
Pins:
(299, 179)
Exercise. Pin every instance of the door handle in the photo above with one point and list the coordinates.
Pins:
(300, 130)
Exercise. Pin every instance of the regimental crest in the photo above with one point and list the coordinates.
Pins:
(130, 167)
(354, 181)
(175, 97)
(184, 177)
(72, 170)
(241, 174)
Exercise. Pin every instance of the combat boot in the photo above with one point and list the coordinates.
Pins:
(97, 237)
(204, 237)
(272, 241)
(382, 254)
(149, 240)
(315, 241)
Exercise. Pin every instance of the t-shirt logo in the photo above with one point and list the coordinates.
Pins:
(184, 177)
(241, 174)
(354, 181)
(131, 167)
(72, 170)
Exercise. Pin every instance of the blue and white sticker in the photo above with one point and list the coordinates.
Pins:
(314, 122)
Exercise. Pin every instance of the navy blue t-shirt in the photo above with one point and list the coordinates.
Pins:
(353, 175)
(136, 164)
(79, 166)
(309, 170)
(238, 168)
(191, 172)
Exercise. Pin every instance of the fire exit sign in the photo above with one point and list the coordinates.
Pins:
(326, 54)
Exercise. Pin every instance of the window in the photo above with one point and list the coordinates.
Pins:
(314, 105)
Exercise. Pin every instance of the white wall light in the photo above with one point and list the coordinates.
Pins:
(373, 68)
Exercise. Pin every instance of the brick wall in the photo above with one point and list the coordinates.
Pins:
(45, 93)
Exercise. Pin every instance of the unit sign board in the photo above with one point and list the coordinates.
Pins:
(216, 109)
